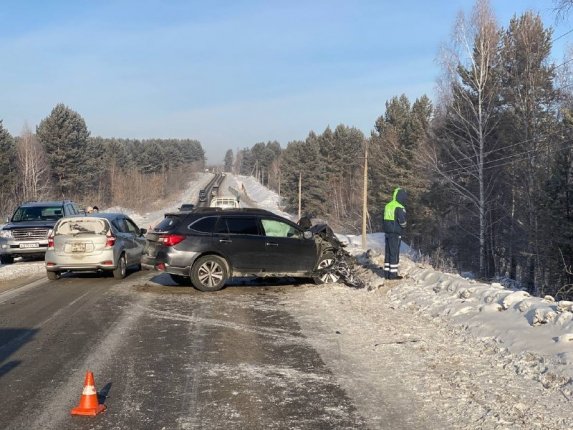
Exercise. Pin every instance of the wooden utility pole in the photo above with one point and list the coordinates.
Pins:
(365, 195)
(299, 195)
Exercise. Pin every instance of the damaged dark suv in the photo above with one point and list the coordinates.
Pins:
(208, 247)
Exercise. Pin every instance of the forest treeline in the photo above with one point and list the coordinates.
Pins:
(61, 161)
(488, 166)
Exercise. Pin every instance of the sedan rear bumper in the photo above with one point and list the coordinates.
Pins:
(79, 267)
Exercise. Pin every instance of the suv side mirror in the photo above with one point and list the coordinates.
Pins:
(307, 234)
(142, 231)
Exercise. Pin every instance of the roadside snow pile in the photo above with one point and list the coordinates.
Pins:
(20, 270)
(537, 332)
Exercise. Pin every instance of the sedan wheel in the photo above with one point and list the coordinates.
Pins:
(326, 261)
(209, 273)
(121, 270)
(53, 276)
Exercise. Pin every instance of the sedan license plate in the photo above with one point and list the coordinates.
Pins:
(78, 247)
(29, 245)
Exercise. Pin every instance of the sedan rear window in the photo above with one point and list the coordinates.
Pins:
(77, 226)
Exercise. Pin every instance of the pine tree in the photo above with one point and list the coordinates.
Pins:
(529, 128)
(65, 138)
(229, 160)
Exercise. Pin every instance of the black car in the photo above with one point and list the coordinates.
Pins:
(210, 246)
(202, 196)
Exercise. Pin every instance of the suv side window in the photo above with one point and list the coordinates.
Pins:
(204, 225)
(238, 225)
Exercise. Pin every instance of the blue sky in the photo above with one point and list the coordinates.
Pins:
(228, 73)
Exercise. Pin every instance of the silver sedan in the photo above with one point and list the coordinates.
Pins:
(100, 242)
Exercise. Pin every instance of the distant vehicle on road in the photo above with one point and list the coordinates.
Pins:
(202, 196)
(103, 242)
(208, 247)
(224, 202)
(186, 207)
(26, 233)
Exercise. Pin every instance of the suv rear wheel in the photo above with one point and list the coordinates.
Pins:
(209, 273)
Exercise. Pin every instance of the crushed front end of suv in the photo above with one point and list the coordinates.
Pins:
(26, 233)
(208, 247)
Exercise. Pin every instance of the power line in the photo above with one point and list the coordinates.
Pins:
(503, 148)
(563, 35)
(513, 157)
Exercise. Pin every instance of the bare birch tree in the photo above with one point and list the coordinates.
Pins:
(32, 166)
(466, 143)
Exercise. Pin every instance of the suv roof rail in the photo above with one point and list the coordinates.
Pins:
(207, 209)
(253, 210)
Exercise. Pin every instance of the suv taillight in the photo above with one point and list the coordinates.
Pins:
(51, 240)
(110, 240)
(171, 239)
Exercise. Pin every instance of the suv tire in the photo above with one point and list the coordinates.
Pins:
(209, 273)
(326, 260)
(6, 259)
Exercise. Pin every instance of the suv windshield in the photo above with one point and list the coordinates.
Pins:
(38, 213)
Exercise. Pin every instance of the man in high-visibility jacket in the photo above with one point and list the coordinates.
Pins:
(394, 223)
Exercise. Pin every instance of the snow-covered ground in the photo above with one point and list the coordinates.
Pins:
(494, 357)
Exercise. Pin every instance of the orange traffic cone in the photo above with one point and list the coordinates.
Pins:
(88, 402)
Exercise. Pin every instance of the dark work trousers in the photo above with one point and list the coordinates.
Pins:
(392, 255)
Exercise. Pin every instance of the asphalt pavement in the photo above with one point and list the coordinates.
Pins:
(163, 357)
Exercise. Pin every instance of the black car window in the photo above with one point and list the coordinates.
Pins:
(276, 228)
(204, 225)
(239, 225)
